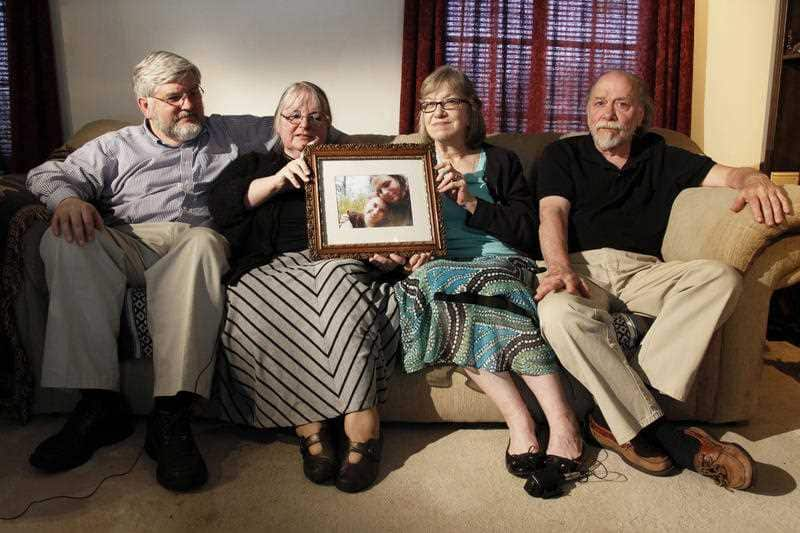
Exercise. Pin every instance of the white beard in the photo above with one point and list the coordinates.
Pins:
(604, 141)
(185, 132)
(180, 132)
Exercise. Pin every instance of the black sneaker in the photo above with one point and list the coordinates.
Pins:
(170, 443)
(95, 422)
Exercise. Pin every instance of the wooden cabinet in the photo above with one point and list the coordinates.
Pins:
(783, 128)
(783, 150)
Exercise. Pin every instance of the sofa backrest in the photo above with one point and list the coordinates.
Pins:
(89, 131)
(528, 146)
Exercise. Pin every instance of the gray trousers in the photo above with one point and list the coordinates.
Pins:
(689, 300)
(181, 267)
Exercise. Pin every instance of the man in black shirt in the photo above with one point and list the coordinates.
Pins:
(604, 203)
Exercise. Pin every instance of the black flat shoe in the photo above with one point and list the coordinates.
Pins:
(564, 465)
(523, 464)
(553, 475)
(355, 477)
(320, 468)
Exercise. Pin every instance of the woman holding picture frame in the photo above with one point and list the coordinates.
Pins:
(306, 341)
(474, 309)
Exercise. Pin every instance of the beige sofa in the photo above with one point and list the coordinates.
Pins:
(700, 226)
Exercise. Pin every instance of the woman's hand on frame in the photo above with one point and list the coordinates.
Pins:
(451, 182)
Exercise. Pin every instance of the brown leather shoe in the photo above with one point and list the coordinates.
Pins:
(638, 453)
(728, 464)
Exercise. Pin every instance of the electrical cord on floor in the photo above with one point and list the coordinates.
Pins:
(120, 474)
(593, 471)
(70, 497)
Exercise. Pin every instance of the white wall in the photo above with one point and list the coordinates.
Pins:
(247, 50)
(733, 58)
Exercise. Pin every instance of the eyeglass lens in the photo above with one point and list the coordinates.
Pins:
(313, 118)
(429, 106)
(179, 99)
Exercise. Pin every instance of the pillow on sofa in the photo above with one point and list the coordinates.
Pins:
(88, 132)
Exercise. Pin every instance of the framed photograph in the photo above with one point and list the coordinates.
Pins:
(373, 199)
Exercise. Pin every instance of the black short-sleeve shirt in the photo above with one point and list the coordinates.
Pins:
(628, 208)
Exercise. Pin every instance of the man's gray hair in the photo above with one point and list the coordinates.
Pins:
(640, 91)
(159, 68)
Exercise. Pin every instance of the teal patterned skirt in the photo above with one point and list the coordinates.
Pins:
(478, 313)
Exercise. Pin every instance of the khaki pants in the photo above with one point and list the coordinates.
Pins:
(182, 269)
(689, 301)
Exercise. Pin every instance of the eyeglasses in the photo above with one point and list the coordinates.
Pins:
(451, 104)
(314, 119)
(177, 100)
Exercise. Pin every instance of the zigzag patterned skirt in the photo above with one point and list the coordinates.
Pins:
(306, 341)
(477, 313)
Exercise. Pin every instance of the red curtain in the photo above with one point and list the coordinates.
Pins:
(423, 51)
(668, 45)
(533, 61)
(35, 112)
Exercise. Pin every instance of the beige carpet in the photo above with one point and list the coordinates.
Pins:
(433, 478)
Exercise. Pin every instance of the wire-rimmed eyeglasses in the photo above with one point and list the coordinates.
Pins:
(314, 119)
(178, 99)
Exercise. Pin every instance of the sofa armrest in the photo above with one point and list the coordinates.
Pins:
(702, 226)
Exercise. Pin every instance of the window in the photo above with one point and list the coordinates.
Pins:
(532, 60)
(5, 93)
(493, 47)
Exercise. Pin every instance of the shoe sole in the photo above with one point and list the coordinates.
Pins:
(671, 471)
(657, 473)
(752, 466)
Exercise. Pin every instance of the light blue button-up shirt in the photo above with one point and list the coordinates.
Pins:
(132, 177)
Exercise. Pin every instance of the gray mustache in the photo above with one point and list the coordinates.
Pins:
(609, 125)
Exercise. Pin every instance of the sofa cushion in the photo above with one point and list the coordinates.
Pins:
(89, 131)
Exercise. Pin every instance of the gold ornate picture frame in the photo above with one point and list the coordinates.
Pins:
(367, 199)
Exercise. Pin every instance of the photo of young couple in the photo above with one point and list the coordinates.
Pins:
(381, 200)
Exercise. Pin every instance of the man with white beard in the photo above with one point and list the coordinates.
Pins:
(129, 208)
(604, 204)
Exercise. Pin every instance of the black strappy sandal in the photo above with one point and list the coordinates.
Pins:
(355, 477)
(320, 468)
